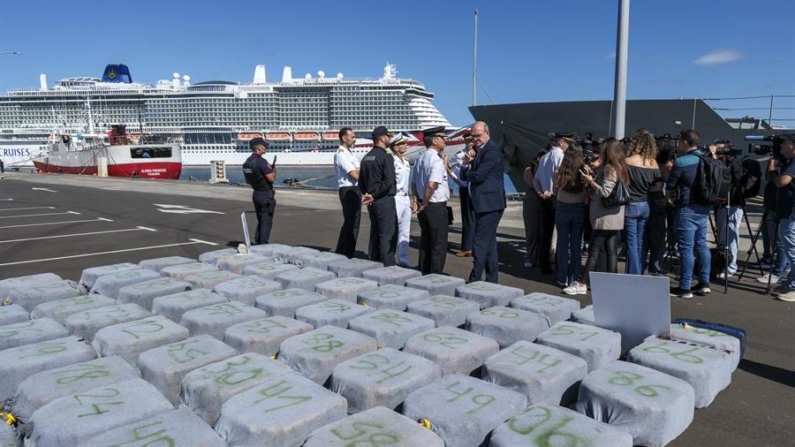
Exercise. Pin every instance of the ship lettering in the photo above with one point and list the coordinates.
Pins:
(16, 152)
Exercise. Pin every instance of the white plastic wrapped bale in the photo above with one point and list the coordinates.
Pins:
(90, 275)
(382, 379)
(596, 346)
(209, 280)
(279, 413)
(158, 264)
(315, 354)
(73, 419)
(30, 296)
(541, 373)
(110, 284)
(144, 293)
(280, 253)
(392, 297)
(652, 406)
(345, 288)
(707, 337)
(436, 284)
(306, 278)
(488, 294)
(212, 256)
(43, 387)
(353, 268)
(377, 426)
(181, 271)
(506, 325)
(555, 307)
(264, 336)
(444, 310)
(707, 369)
(31, 331)
(332, 312)
(17, 364)
(13, 313)
(455, 350)
(204, 390)
(86, 324)
(394, 274)
(269, 269)
(174, 306)
(213, 320)
(291, 256)
(59, 310)
(584, 316)
(164, 367)
(463, 410)
(391, 328)
(267, 249)
(236, 263)
(9, 284)
(319, 260)
(246, 289)
(175, 428)
(541, 423)
(129, 340)
(8, 436)
(285, 302)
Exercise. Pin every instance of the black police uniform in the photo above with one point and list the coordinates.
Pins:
(377, 178)
(255, 168)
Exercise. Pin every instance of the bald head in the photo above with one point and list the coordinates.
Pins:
(480, 133)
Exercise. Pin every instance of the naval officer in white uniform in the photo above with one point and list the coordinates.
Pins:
(402, 202)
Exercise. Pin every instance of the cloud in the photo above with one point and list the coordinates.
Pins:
(719, 57)
(610, 56)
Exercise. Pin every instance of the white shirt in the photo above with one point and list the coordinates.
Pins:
(429, 167)
(456, 164)
(345, 162)
(547, 167)
(402, 175)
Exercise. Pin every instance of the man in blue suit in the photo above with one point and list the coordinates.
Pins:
(487, 198)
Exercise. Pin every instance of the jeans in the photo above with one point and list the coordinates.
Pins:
(691, 233)
(569, 221)
(786, 234)
(635, 216)
(735, 220)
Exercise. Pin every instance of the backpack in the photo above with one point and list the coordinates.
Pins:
(751, 181)
(713, 179)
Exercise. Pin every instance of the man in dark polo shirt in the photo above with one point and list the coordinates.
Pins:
(378, 186)
(260, 175)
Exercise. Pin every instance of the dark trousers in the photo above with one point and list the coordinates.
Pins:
(467, 221)
(433, 238)
(656, 232)
(531, 214)
(351, 201)
(547, 227)
(383, 231)
(264, 206)
(603, 241)
(485, 252)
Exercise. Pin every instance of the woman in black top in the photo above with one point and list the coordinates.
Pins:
(643, 170)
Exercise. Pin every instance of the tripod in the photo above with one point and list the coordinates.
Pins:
(774, 243)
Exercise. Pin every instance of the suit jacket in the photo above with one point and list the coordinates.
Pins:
(485, 177)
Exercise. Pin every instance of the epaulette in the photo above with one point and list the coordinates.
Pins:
(341, 150)
(388, 152)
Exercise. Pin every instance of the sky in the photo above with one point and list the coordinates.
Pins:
(528, 50)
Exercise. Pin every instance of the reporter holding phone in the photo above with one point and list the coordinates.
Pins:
(260, 175)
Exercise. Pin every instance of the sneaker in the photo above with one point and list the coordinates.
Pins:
(528, 263)
(679, 293)
(787, 295)
(577, 288)
(723, 275)
(702, 288)
(768, 277)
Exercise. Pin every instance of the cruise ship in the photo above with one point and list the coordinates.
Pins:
(215, 120)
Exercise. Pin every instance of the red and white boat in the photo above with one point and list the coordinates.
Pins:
(84, 154)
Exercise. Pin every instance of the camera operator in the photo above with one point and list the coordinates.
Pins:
(724, 151)
(783, 179)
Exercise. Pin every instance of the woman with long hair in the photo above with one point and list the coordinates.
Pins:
(607, 222)
(643, 172)
(569, 215)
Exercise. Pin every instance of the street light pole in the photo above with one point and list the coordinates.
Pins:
(620, 93)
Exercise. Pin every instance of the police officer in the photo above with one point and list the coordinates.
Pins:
(346, 167)
(430, 193)
(377, 184)
(261, 175)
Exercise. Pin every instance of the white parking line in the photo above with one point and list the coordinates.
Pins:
(76, 235)
(38, 215)
(29, 208)
(98, 219)
(85, 255)
(6, 200)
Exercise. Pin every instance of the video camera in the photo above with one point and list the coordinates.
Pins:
(728, 149)
(772, 143)
(590, 148)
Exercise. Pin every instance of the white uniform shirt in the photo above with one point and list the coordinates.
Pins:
(456, 164)
(345, 162)
(429, 167)
(547, 167)
(402, 175)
